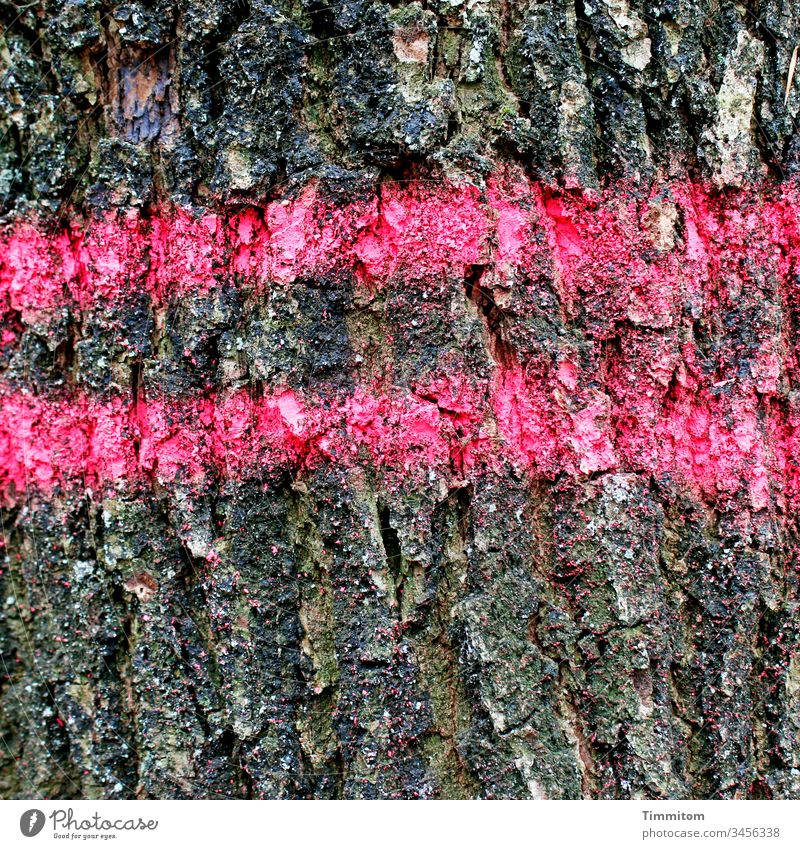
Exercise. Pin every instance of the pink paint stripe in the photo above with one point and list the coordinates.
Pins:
(636, 269)
(719, 447)
(423, 229)
(616, 256)
(44, 443)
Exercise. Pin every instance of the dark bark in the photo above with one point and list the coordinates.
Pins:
(606, 634)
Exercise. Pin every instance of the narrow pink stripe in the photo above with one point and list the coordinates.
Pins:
(615, 255)
(719, 447)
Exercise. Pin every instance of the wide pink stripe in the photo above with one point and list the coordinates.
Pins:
(616, 256)
(719, 447)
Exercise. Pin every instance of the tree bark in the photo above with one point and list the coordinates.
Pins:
(399, 399)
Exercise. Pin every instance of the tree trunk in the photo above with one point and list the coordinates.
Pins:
(399, 399)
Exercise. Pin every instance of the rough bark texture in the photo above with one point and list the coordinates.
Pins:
(519, 515)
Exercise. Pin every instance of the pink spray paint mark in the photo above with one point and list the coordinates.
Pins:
(633, 269)
(715, 446)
